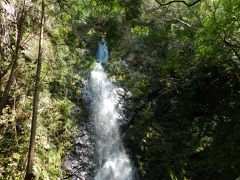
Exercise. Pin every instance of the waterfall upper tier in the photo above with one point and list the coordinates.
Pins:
(102, 51)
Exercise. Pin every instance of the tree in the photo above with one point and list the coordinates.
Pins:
(29, 173)
(15, 58)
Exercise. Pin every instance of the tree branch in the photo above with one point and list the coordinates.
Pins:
(183, 22)
(178, 1)
(230, 44)
(232, 47)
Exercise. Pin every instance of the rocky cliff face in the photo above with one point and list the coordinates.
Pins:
(80, 163)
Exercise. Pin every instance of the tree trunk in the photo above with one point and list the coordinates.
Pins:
(15, 58)
(29, 173)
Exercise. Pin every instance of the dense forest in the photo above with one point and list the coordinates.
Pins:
(178, 60)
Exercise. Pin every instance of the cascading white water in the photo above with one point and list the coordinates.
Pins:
(113, 161)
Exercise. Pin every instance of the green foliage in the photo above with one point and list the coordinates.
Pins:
(133, 9)
(64, 109)
(180, 65)
(184, 79)
(56, 126)
(139, 30)
(114, 31)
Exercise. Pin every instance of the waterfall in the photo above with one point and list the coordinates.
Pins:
(112, 161)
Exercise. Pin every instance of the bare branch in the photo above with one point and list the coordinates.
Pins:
(184, 23)
(178, 1)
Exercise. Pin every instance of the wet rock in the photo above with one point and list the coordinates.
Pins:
(80, 163)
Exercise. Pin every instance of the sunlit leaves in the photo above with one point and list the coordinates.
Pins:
(139, 30)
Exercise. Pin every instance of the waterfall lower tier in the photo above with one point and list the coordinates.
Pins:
(113, 162)
(99, 151)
